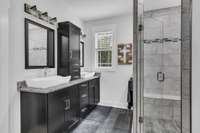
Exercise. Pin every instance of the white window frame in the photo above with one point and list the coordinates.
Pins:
(106, 28)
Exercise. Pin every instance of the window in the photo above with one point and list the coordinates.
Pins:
(103, 49)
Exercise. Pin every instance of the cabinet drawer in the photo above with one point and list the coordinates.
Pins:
(84, 97)
(84, 112)
(75, 63)
(75, 70)
(84, 102)
(75, 76)
(92, 83)
(83, 86)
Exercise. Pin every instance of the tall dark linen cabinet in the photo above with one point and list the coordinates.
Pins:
(69, 50)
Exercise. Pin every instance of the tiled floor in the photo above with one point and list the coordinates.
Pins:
(106, 120)
(162, 115)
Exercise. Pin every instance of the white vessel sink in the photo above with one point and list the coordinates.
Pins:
(47, 82)
(87, 74)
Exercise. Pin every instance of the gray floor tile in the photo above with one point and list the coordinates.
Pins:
(87, 126)
(106, 120)
(114, 130)
(99, 114)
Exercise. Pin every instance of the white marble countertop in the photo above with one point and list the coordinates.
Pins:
(56, 88)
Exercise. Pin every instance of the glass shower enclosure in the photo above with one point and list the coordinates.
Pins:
(162, 65)
(158, 69)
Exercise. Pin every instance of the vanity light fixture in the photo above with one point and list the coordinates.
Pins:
(32, 10)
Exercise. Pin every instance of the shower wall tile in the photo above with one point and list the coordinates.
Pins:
(151, 72)
(153, 48)
(172, 87)
(151, 92)
(162, 109)
(172, 60)
(172, 47)
(177, 110)
(155, 34)
(151, 84)
(162, 57)
(152, 60)
(172, 72)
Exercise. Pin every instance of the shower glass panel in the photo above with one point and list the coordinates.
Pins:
(162, 91)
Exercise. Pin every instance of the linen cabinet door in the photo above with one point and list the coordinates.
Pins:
(74, 42)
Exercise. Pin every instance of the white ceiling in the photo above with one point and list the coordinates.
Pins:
(96, 9)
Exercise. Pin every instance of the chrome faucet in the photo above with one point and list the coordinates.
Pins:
(45, 71)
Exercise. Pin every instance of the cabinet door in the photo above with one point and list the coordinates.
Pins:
(97, 91)
(91, 94)
(56, 112)
(74, 42)
(33, 113)
(72, 115)
(63, 110)
(63, 54)
(84, 99)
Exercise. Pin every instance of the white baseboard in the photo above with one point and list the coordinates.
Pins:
(113, 104)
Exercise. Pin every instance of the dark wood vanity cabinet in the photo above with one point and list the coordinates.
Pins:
(56, 112)
(94, 93)
(84, 99)
(63, 110)
(59, 111)
(34, 113)
(69, 50)
(97, 91)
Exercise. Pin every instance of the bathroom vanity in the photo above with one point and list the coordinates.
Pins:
(56, 104)
(58, 109)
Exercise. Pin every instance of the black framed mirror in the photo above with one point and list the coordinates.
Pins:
(39, 46)
(82, 54)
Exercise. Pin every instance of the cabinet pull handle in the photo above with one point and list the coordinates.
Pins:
(84, 85)
(84, 96)
(76, 76)
(67, 104)
(76, 64)
(70, 54)
(75, 70)
(83, 110)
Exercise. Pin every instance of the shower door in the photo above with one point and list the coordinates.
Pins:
(161, 91)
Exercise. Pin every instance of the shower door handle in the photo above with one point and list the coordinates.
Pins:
(140, 27)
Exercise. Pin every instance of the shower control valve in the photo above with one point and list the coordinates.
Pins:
(160, 76)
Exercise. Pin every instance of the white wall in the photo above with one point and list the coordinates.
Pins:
(113, 90)
(196, 67)
(4, 115)
(16, 50)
